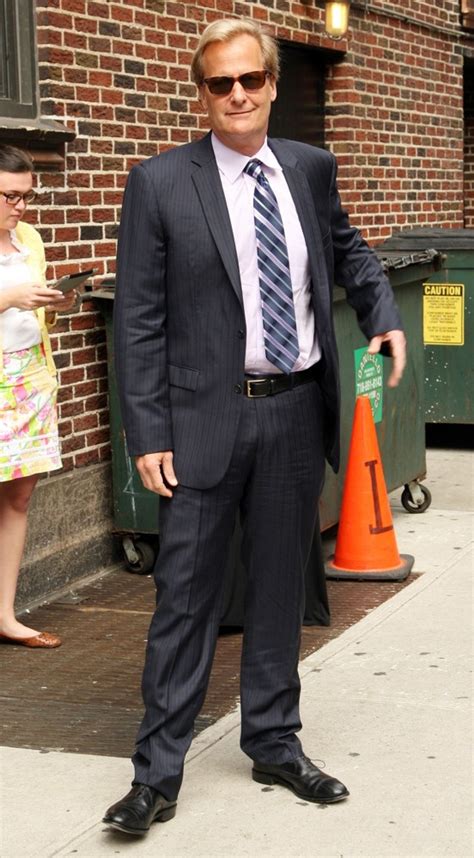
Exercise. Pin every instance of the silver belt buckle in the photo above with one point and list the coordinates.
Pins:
(248, 382)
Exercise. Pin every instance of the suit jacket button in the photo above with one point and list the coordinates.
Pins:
(240, 334)
(237, 388)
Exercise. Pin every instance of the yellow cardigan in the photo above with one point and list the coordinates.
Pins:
(30, 238)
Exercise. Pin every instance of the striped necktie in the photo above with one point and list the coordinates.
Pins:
(278, 310)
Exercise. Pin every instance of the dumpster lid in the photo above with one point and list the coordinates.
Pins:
(105, 290)
(391, 259)
(437, 237)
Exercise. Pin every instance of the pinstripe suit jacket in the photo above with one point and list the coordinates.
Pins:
(179, 319)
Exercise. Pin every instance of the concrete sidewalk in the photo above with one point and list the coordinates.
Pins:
(386, 706)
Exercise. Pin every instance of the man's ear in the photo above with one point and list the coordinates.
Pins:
(202, 97)
(273, 87)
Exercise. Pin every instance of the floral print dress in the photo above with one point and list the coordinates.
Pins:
(29, 442)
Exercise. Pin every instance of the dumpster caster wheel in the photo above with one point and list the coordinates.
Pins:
(416, 498)
(139, 555)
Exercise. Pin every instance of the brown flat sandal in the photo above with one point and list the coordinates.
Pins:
(43, 640)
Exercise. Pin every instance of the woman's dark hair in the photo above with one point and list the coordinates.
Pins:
(13, 160)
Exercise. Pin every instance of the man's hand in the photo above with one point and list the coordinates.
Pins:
(157, 472)
(397, 345)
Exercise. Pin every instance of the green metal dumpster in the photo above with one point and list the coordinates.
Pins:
(135, 509)
(399, 415)
(448, 320)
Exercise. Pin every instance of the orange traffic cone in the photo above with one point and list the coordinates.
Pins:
(366, 547)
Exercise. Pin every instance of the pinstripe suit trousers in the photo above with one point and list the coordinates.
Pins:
(274, 480)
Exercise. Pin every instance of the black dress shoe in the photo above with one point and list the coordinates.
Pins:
(135, 812)
(304, 778)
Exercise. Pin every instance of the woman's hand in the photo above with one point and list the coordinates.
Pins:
(68, 303)
(30, 296)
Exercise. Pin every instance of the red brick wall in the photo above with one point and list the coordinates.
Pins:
(117, 74)
(396, 119)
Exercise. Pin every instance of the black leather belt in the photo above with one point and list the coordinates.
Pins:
(268, 385)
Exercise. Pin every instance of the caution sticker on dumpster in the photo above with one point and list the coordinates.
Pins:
(443, 314)
(369, 380)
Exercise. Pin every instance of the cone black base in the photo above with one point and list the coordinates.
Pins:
(399, 573)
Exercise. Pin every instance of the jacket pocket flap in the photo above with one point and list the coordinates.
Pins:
(183, 376)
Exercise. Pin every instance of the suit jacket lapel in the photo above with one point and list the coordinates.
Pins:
(209, 188)
(304, 204)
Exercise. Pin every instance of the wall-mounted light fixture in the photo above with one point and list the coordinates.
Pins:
(336, 19)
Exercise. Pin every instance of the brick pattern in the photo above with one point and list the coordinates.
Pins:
(396, 121)
(117, 74)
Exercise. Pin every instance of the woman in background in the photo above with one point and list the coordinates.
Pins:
(29, 442)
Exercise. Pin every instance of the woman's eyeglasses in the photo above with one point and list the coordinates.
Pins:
(224, 85)
(13, 199)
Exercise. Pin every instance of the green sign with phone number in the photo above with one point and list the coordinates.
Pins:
(369, 380)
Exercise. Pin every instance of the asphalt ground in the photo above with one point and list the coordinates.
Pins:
(86, 696)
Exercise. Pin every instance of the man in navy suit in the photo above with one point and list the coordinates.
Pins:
(227, 370)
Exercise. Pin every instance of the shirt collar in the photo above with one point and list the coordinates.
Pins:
(232, 163)
(23, 252)
(16, 243)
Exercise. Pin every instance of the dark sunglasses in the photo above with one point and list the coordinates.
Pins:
(13, 199)
(224, 85)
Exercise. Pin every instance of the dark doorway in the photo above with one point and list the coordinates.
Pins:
(298, 112)
(468, 143)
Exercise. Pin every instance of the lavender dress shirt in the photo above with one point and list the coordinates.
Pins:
(238, 189)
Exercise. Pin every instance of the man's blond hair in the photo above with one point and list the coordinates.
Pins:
(226, 30)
